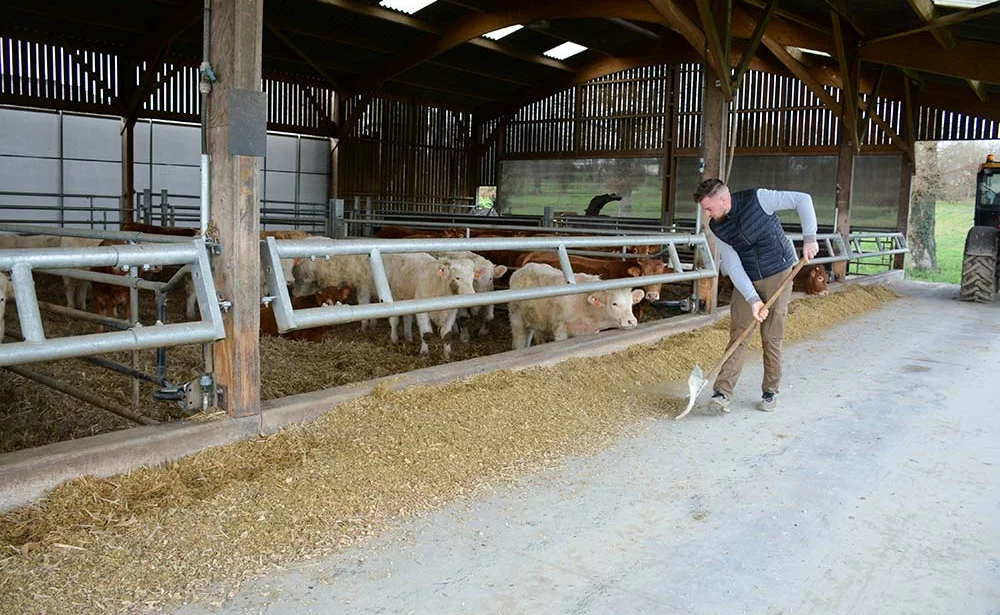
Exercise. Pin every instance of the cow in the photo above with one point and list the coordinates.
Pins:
(606, 268)
(419, 276)
(351, 270)
(486, 275)
(76, 290)
(403, 232)
(811, 280)
(334, 295)
(567, 315)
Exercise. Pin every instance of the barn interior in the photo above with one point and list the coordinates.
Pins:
(458, 115)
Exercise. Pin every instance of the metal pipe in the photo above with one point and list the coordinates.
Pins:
(100, 256)
(97, 343)
(130, 236)
(205, 87)
(107, 321)
(27, 302)
(81, 394)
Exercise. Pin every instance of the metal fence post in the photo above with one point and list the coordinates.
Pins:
(163, 208)
(548, 215)
(147, 206)
(368, 216)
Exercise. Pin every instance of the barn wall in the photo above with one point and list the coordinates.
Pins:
(79, 157)
(407, 157)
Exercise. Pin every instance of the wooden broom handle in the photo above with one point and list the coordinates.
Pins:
(753, 321)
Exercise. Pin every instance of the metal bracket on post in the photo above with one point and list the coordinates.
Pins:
(164, 205)
(336, 228)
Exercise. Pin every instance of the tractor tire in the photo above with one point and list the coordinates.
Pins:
(979, 265)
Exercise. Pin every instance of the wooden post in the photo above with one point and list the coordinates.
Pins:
(236, 59)
(126, 210)
(669, 185)
(338, 118)
(845, 189)
(713, 151)
(903, 213)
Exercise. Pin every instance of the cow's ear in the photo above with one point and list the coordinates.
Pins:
(637, 295)
(499, 271)
(443, 271)
(595, 301)
(634, 271)
(298, 261)
(814, 273)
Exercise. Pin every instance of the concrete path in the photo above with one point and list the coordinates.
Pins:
(874, 489)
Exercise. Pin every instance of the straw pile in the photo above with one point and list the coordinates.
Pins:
(196, 529)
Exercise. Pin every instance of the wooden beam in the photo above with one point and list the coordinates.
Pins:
(969, 59)
(844, 195)
(792, 16)
(927, 14)
(717, 43)
(945, 21)
(474, 25)
(750, 50)
(288, 43)
(713, 150)
(844, 10)
(979, 88)
(678, 20)
(235, 209)
(872, 98)
(847, 56)
(802, 73)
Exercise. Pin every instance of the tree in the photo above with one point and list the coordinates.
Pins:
(927, 187)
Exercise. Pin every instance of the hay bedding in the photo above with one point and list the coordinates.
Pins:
(195, 529)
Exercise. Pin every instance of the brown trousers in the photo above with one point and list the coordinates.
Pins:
(772, 332)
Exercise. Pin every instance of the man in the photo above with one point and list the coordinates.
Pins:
(755, 252)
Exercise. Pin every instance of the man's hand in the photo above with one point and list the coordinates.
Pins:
(810, 249)
(759, 311)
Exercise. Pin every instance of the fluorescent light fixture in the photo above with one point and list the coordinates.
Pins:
(961, 4)
(502, 32)
(406, 6)
(814, 52)
(567, 49)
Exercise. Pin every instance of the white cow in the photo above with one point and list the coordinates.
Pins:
(419, 276)
(76, 289)
(567, 315)
(486, 273)
(353, 270)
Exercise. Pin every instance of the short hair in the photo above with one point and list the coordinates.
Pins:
(709, 187)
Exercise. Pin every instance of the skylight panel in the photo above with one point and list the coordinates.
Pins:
(502, 32)
(814, 52)
(406, 6)
(567, 49)
(961, 4)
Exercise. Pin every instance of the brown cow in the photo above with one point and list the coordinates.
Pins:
(606, 268)
(811, 280)
(324, 297)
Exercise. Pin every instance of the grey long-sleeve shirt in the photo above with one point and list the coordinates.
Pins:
(771, 201)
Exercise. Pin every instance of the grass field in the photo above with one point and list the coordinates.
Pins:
(952, 223)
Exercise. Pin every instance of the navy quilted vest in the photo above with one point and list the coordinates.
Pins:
(757, 237)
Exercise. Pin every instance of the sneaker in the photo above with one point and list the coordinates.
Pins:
(768, 402)
(720, 401)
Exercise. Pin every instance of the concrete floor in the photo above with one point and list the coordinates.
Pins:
(875, 488)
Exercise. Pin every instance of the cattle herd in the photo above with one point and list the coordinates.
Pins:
(348, 278)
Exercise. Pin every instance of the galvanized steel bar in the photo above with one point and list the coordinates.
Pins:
(114, 323)
(379, 276)
(97, 343)
(81, 394)
(133, 236)
(27, 302)
(315, 317)
(567, 267)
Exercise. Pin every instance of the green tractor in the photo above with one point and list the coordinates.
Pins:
(980, 274)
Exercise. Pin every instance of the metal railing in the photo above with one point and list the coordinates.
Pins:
(66, 261)
(288, 319)
(875, 249)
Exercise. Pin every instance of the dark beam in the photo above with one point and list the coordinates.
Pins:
(969, 59)
(474, 25)
(717, 42)
(679, 21)
(945, 21)
(925, 11)
(792, 17)
(751, 48)
(844, 10)
(847, 56)
(288, 43)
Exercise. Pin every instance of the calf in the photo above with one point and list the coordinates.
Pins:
(567, 315)
(351, 270)
(811, 280)
(485, 275)
(419, 276)
(606, 268)
(333, 295)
